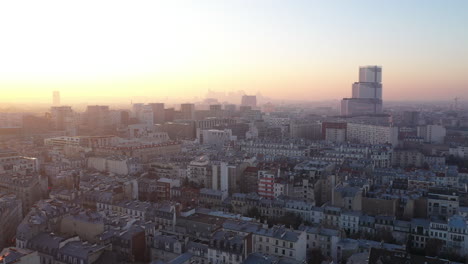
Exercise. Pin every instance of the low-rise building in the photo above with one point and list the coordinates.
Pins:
(277, 241)
(229, 247)
(442, 202)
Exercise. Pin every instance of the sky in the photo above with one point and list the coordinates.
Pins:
(283, 49)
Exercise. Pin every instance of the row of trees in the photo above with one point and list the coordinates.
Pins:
(288, 219)
(434, 247)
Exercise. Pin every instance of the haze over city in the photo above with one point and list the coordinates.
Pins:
(234, 132)
(113, 51)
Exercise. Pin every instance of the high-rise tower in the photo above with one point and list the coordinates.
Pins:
(188, 111)
(158, 113)
(366, 94)
(97, 117)
(63, 119)
(370, 83)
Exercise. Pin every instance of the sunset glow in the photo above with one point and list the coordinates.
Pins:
(290, 50)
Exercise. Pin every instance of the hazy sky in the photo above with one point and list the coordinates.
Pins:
(285, 49)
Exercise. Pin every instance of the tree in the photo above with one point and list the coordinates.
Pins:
(433, 247)
(426, 166)
(384, 235)
(460, 162)
(254, 213)
(186, 181)
(288, 219)
(409, 243)
(315, 256)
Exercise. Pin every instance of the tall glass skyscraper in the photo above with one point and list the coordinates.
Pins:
(366, 94)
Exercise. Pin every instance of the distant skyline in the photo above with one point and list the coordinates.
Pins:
(285, 50)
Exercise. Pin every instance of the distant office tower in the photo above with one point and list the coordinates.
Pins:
(370, 74)
(366, 94)
(56, 98)
(63, 119)
(215, 107)
(147, 115)
(370, 83)
(169, 114)
(98, 117)
(187, 111)
(119, 117)
(216, 110)
(249, 100)
(125, 117)
(136, 109)
(158, 112)
(144, 113)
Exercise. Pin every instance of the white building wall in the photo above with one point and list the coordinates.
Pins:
(97, 163)
(432, 133)
(372, 134)
(215, 137)
(459, 151)
(118, 167)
